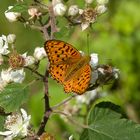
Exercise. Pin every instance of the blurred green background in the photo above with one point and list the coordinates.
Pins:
(115, 37)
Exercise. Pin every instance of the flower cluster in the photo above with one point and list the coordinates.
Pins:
(85, 16)
(75, 15)
(15, 72)
(16, 125)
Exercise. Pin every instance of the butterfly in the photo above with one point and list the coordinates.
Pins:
(68, 66)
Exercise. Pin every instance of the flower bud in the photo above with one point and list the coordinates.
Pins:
(12, 16)
(73, 10)
(101, 9)
(89, 1)
(59, 9)
(11, 38)
(94, 59)
(34, 12)
(39, 53)
(29, 60)
(101, 2)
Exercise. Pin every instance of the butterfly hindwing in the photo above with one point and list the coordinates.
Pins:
(81, 82)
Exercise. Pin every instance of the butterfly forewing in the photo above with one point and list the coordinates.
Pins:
(58, 72)
(60, 52)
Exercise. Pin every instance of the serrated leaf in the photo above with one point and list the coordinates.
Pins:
(19, 8)
(105, 123)
(13, 96)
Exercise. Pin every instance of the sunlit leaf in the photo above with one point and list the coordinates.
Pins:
(2, 121)
(105, 123)
(19, 8)
(13, 96)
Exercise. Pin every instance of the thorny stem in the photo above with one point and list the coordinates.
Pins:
(63, 102)
(47, 106)
(52, 21)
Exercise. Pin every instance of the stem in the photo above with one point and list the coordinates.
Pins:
(63, 102)
(47, 106)
(71, 119)
(34, 71)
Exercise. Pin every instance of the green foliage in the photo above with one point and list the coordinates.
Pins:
(106, 123)
(2, 121)
(19, 8)
(13, 96)
(115, 36)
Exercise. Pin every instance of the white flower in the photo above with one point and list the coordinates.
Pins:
(1, 59)
(86, 98)
(6, 75)
(101, 2)
(82, 53)
(3, 45)
(94, 59)
(73, 10)
(12, 16)
(71, 137)
(17, 76)
(59, 9)
(16, 125)
(54, 2)
(29, 60)
(10, 75)
(39, 53)
(94, 76)
(84, 25)
(101, 70)
(89, 1)
(11, 38)
(101, 9)
(116, 73)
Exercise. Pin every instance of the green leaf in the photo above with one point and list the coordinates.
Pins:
(13, 96)
(2, 121)
(106, 123)
(19, 8)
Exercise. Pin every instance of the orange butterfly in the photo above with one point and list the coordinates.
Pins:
(68, 66)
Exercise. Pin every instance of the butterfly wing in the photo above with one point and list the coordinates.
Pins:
(61, 55)
(58, 72)
(79, 83)
(60, 52)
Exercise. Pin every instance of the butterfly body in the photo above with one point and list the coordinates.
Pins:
(76, 68)
(68, 66)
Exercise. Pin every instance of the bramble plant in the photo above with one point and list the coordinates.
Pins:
(95, 118)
